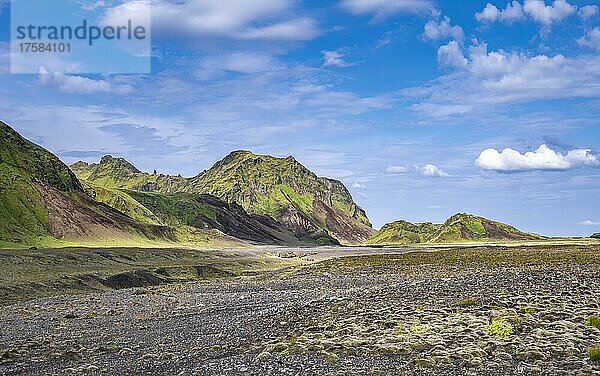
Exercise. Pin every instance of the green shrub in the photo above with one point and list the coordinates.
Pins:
(500, 328)
(594, 352)
(466, 303)
(420, 328)
(594, 321)
(527, 310)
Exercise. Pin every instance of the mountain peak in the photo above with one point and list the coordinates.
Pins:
(34, 162)
(120, 163)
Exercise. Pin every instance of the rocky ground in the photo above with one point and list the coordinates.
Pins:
(487, 310)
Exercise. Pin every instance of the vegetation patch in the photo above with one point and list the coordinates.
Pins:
(420, 328)
(500, 328)
(465, 303)
(594, 352)
(594, 321)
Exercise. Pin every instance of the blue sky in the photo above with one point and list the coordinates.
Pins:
(411, 103)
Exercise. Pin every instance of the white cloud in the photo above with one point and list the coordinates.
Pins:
(240, 62)
(430, 170)
(591, 39)
(450, 55)
(384, 8)
(297, 29)
(256, 20)
(537, 10)
(589, 223)
(500, 77)
(548, 14)
(80, 85)
(544, 158)
(358, 185)
(588, 11)
(396, 170)
(93, 6)
(513, 12)
(334, 58)
(442, 29)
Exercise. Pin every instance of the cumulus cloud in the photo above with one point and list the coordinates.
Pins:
(256, 20)
(396, 170)
(430, 170)
(513, 12)
(334, 58)
(589, 223)
(537, 10)
(548, 14)
(385, 8)
(500, 77)
(442, 29)
(591, 39)
(544, 158)
(450, 55)
(80, 85)
(588, 11)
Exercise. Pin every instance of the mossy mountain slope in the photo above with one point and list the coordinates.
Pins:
(42, 202)
(312, 207)
(198, 211)
(458, 228)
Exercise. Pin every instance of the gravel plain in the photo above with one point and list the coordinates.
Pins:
(454, 311)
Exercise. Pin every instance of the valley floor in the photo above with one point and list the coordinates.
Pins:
(490, 310)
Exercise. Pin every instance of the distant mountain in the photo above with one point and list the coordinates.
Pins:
(312, 207)
(43, 202)
(458, 228)
(596, 235)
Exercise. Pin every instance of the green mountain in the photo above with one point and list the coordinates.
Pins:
(403, 232)
(198, 211)
(43, 203)
(458, 228)
(312, 207)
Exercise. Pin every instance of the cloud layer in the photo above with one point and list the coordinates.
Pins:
(257, 20)
(544, 158)
(384, 8)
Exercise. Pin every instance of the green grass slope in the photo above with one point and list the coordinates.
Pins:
(313, 207)
(22, 165)
(457, 229)
(403, 232)
(43, 203)
(202, 212)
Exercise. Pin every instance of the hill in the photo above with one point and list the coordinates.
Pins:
(198, 211)
(596, 235)
(458, 228)
(312, 207)
(43, 202)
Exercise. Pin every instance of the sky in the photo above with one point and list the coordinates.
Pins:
(422, 108)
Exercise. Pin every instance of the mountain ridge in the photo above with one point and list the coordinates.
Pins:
(312, 207)
(461, 227)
